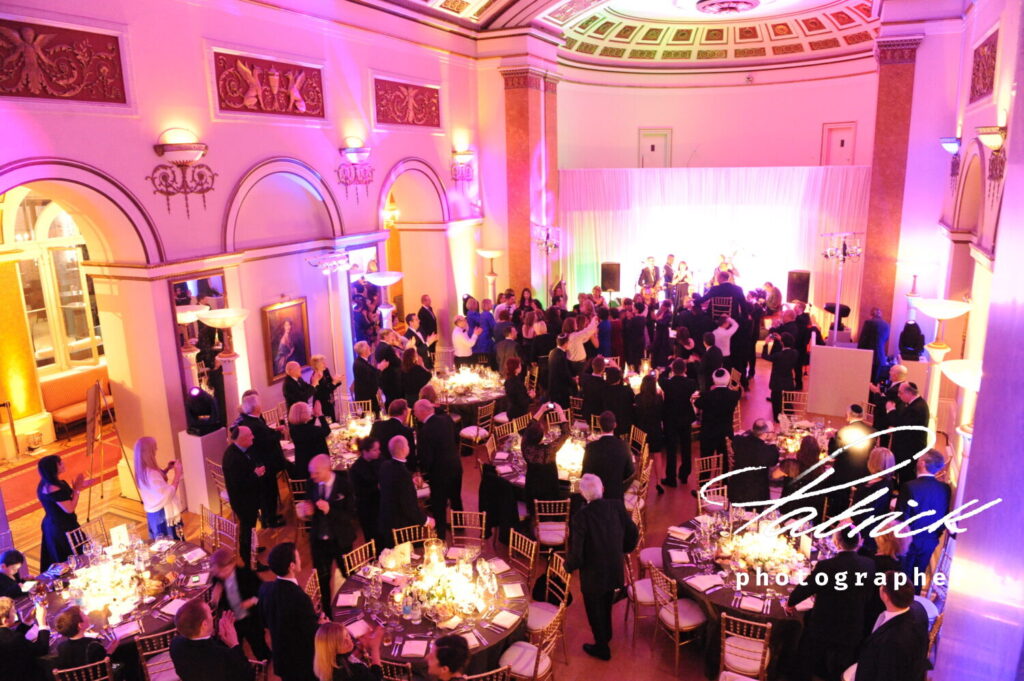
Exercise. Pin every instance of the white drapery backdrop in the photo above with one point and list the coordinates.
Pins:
(771, 220)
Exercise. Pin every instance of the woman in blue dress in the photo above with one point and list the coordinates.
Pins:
(59, 500)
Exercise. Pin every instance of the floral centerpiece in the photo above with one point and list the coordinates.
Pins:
(569, 458)
(110, 587)
(447, 590)
(760, 550)
(469, 381)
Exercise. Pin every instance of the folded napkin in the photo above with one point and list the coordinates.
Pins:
(471, 639)
(416, 648)
(454, 552)
(704, 519)
(201, 578)
(505, 619)
(357, 628)
(499, 566)
(127, 629)
(805, 605)
(392, 578)
(514, 590)
(347, 600)
(752, 603)
(173, 607)
(194, 555)
(681, 533)
(500, 456)
(450, 623)
(503, 469)
(704, 582)
(679, 556)
(161, 545)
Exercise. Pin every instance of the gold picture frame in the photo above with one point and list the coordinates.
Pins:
(283, 344)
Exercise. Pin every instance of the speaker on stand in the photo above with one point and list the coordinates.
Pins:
(610, 276)
(798, 286)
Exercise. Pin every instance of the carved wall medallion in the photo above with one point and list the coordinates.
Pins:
(250, 85)
(983, 70)
(405, 104)
(51, 62)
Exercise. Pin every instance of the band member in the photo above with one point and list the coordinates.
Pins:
(681, 282)
(725, 265)
(667, 275)
(650, 277)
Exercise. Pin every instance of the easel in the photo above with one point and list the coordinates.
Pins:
(96, 406)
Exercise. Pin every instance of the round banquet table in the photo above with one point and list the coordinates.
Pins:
(493, 640)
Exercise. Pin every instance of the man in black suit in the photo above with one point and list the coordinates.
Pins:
(928, 494)
(592, 387)
(608, 458)
(678, 419)
(428, 321)
(897, 648)
(295, 388)
(10, 578)
(199, 656)
(785, 365)
(235, 590)
(329, 508)
(506, 348)
(634, 330)
(710, 362)
(851, 463)
(561, 385)
(21, 657)
(650, 276)
(365, 478)
(422, 344)
(267, 451)
(886, 391)
(907, 443)
(874, 336)
(398, 416)
(751, 450)
(439, 462)
(602, 532)
(242, 475)
(366, 376)
(835, 626)
(726, 289)
(289, 616)
(399, 506)
(619, 399)
(716, 406)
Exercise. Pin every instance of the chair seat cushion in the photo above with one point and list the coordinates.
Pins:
(644, 592)
(540, 615)
(730, 676)
(475, 433)
(652, 556)
(690, 615)
(69, 414)
(161, 668)
(501, 417)
(551, 534)
(929, 607)
(743, 655)
(522, 656)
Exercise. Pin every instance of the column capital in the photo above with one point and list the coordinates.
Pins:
(897, 49)
(525, 77)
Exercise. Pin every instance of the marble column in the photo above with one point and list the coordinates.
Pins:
(896, 61)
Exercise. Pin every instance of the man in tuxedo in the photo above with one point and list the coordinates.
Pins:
(198, 655)
(886, 391)
(422, 344)
(752, 450)
(267, 451)
(716, 406)
(366, 376)
(785, 360)
(399, 506)
(439, 462)
(10, 577)
(365, 478)
(398, 416)
(505, 348)
(608, 458)
(289, 616)
(592, 387)
(874, 336)
(678, 417)
(851, 463)
(21, 657)
(428, 321)
(726, 289)
(619, 399)
(710, 362)
(561, 384)
(835, 626)
(602, 532)
(927, 494)
(668, 275)
(236, 590)
(897, 648)
(295, 388)
(649, 276)
(242, 475)
(329, 507)
(914, 412)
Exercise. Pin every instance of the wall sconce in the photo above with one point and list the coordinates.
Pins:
(355, 169)
(941, 310)
(491, 276)
(462, 166)
(329, 263)
(391, 212)
(224, 319)
(952, 145)
(993, 137)
(185, 175)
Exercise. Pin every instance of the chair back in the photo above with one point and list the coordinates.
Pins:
(259, 670)
(714, 499)
(737, 653)
(503, 430)
(412, 533)
(708, 467)
(794, 403)
(521, 422)
(359, 556)
(444, 358)
(522, 553)
(312, 590)
(869, 412)
(531, 377)
(499, 674)
(271, 416)
(737, 418)
(467, 527)
(97, 671)
(933, 633)
(595, 423)
(217, 475)
(149, 649)
(547, 638)
(487, 456)
(396, 671)
(666, 592)
(298, 488)
(552, 418)
(720, 305)
(94, 531)
(637, 441)
(558, 580)
(551, 513)
(576, 404)
(484, 415)
(216, 531)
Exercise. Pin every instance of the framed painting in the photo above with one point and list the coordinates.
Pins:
(286, 336)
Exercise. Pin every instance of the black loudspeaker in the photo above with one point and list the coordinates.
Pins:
(610, 276)
(798, 285)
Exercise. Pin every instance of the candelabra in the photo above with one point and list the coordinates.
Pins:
(845, 250)
(547, 241)
(330, 262)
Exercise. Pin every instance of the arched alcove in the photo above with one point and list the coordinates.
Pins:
(971, 201)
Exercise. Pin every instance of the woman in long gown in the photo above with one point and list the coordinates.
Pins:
(159, 491)
(59, 500)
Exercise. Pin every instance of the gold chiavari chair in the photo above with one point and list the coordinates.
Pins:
(869, 413)
(471, 436)
(467, 527)
(520, 423)
(708, 468)
(356, 408)
(551, 523)
(557, 586)
(636, 496)
(359, 556)
(216, 532)
(312, 590)
(98, 671)
(745, 647)
(721, 305)
(933, 634)
(259, 670)
(503, 430)
(531, 377)
(155, 655)
(679, 618)
(500, 674)
(637, 441)
(737, 419)
(271, 416)
(595, 423)
(412, 533)
(640, 594)
(717, 498)
(487, 455)
(217, 475)
(534, 661)
(396, 671)
(794, 403)
(298, 490)
(522, 553)
(94, 531)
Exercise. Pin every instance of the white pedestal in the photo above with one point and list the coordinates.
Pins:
(126, 478)
(195, 449)
(838, 378)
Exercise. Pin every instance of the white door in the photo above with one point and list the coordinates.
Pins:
(655, 148)
(837, 144)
